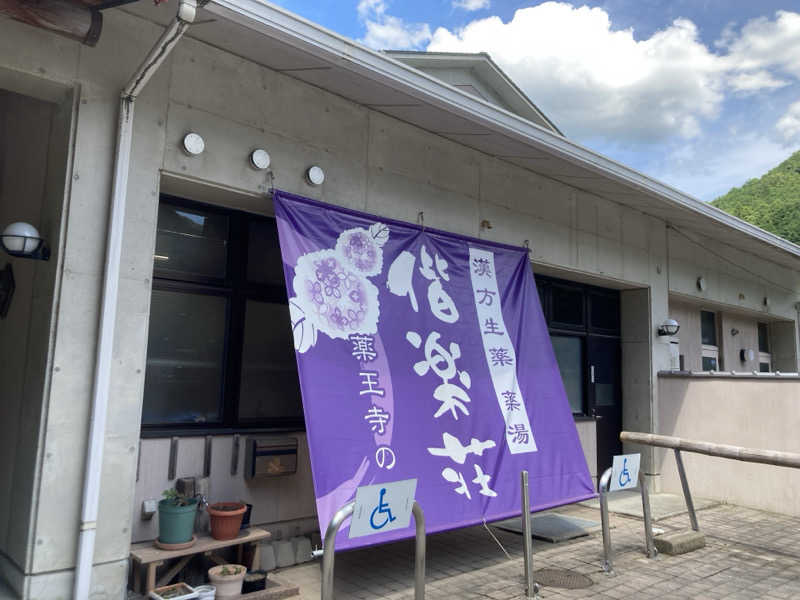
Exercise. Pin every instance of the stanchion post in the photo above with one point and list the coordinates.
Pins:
(527, 537)
(329, 551)
(608, 553)
(648, 520)
(419, 555)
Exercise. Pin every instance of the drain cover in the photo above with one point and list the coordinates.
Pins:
(561, 578)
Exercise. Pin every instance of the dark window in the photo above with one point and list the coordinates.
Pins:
(567, 306)
(569, 354)
(604, 312)
(708, 329)
(220, 350)
(710, 363)
(763, 337)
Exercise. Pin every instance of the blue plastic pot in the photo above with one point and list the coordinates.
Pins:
(176, 523)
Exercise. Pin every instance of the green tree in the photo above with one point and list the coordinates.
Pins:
(771, 202)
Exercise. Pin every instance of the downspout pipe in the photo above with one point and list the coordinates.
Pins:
(108, 308)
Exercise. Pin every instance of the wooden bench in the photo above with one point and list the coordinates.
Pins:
(147, 557)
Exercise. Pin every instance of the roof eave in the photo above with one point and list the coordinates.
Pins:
(303, 34)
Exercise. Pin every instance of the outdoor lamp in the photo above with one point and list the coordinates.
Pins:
(22, 239)
(669, 327)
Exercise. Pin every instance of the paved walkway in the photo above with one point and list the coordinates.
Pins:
(748, 554)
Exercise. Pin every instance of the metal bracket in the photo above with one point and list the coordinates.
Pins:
(328, 550)
(207, 457)
(173, 459)
(235, 454)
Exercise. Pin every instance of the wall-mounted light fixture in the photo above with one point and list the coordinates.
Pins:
(701, 284)
(22, 240)
(259, 159)
(766, 301)
(734, 331)
(746, 354)
(193, 144)
(315, 175)
(669, 327)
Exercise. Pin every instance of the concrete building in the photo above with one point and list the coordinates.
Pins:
(615, 253)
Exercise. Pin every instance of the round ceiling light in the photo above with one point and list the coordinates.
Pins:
(315, 175)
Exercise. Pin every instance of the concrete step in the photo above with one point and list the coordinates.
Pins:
(679, 542)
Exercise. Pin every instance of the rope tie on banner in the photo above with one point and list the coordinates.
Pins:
(421, 219)
(527, 245)
(494, 537)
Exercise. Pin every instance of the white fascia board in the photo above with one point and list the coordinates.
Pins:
(305, 35)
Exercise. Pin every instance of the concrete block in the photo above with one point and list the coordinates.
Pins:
(302, 549)
(284, 553)
(679, 542)
(268, 560)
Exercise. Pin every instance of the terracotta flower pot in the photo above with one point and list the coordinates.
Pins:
(228, 580)
(226, 518)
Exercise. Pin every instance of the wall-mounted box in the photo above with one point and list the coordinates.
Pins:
(270, 457)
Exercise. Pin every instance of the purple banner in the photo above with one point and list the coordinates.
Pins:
(424, 355)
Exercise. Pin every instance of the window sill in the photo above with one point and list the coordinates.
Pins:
(583, 418)
(727, 375)
(169, 432)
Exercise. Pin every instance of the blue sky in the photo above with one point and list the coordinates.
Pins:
(701, 94)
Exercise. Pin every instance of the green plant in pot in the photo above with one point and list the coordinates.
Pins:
(176, 515)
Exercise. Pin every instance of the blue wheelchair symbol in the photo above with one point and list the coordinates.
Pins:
(624, 476)
(381, 509)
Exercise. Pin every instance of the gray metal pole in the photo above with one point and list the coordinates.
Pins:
(648, 521)
(686, 493)
(527, 538)
(602, 487)
(328, 549)
(419, 555)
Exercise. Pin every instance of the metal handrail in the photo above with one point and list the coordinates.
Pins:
(768, 457)
(328, 554)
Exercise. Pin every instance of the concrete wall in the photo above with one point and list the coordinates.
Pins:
(372, 162)
(729, 322)
(34, 138)
(287, 500)
(752, 413)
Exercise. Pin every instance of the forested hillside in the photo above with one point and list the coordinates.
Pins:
(771, 202)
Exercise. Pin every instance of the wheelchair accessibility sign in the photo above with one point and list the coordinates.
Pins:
(383, 507)
(626, 472)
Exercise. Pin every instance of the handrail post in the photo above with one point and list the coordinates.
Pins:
(648, 521)
(686, 493)
(608, 553)
(329, 550)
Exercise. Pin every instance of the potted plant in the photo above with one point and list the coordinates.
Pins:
(226, 518)
(176, 515)
(227, 579)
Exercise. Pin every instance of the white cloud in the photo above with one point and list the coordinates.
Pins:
(788, 126)
(755, 81)
(766, 44)
(386, 32)
(598, 82)
(471, 4)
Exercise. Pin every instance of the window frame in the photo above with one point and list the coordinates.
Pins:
(237, 290)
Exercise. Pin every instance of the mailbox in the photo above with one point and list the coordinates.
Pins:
(270, 457)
